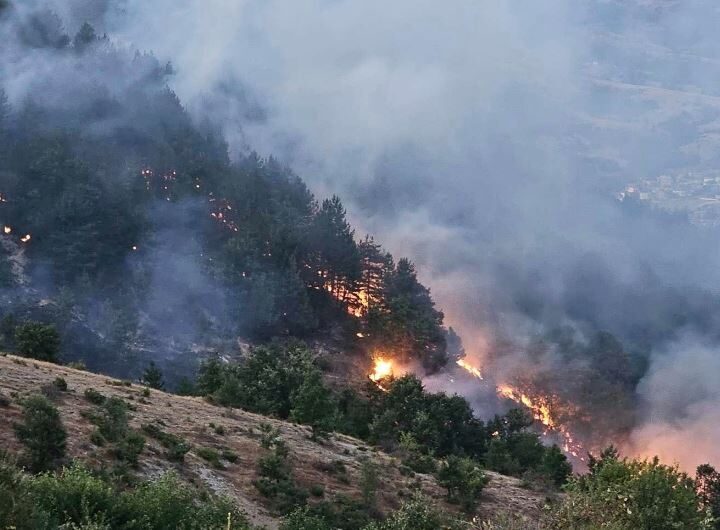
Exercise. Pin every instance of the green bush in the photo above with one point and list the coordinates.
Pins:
(130, 447)
(463, 479)
(210, 455)
(418, 514)
(113, 419)
(302, 519)
(60, 384)
(42, 433)
(176, 447)
(631, 494)
(94, 397)
(38, 341)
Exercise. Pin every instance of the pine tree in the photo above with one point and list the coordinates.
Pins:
(153, 377)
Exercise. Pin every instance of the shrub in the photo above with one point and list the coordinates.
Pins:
(302, 519)
(276, 481)
(72, 496)
(130, 447)
(463, 479)
(94, 397)
(42, 433)
(113, 421)
(176, 447)
(210, 455)
(642, 495)
(369, 481)
(60, 384)
(4, 400)
(77, 365)
(418, 514)
(38, 341)
(229, 455)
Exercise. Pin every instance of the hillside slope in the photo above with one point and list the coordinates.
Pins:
(191, 417)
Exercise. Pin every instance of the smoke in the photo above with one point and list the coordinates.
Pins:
(682, 401)
(486, 141)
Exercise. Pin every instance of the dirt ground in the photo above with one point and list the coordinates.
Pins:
(191, 417)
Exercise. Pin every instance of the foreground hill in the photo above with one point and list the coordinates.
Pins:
(333, 467)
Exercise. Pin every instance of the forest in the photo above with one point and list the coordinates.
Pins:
(137, 244)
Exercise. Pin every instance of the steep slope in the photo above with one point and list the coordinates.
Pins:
(190, 418)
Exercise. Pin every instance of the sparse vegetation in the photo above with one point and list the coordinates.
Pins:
(176, 447)
(60, 384)
(212, 456)
(94, 397)
(42, 432)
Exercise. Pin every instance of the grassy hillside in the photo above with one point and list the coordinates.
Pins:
(333, 466)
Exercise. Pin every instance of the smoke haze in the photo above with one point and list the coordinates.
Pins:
(486, 141)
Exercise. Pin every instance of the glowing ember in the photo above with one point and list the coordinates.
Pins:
(462, 363)
(382, 368)
(7, 229)
(26, 238)
(359, 335)
(134, 247)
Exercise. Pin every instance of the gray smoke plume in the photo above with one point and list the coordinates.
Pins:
(486, 141)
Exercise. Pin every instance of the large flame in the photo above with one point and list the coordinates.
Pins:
(382, 368)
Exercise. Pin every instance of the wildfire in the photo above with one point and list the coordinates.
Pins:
(462, 363)
(540, 408)
(7, 229)
(382, 368)
(26, 238)
(541, 411)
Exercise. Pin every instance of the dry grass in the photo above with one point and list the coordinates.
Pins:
(190, 418)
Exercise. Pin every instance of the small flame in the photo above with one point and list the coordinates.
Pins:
(26, 238)
(7, 229)
(134, 247)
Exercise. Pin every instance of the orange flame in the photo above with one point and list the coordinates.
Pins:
(383, 367)
(462, 363)
(539, 407)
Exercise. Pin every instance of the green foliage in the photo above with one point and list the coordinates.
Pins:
(631, 494)
(303, 519)
(418, 514)
(75, 498)
(176, 447)
(369, 482)
(312, 404)
(42, 433)
(112, 422)
(130, 447)
(463, 479)
(275, 479)
(153, 377)
(38, 341)
(411, 453)
(60, 384)
(211, 455)
(707, 486)
(93, 396)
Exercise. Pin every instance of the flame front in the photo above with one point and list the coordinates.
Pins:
(539, 407)
(462, 363)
